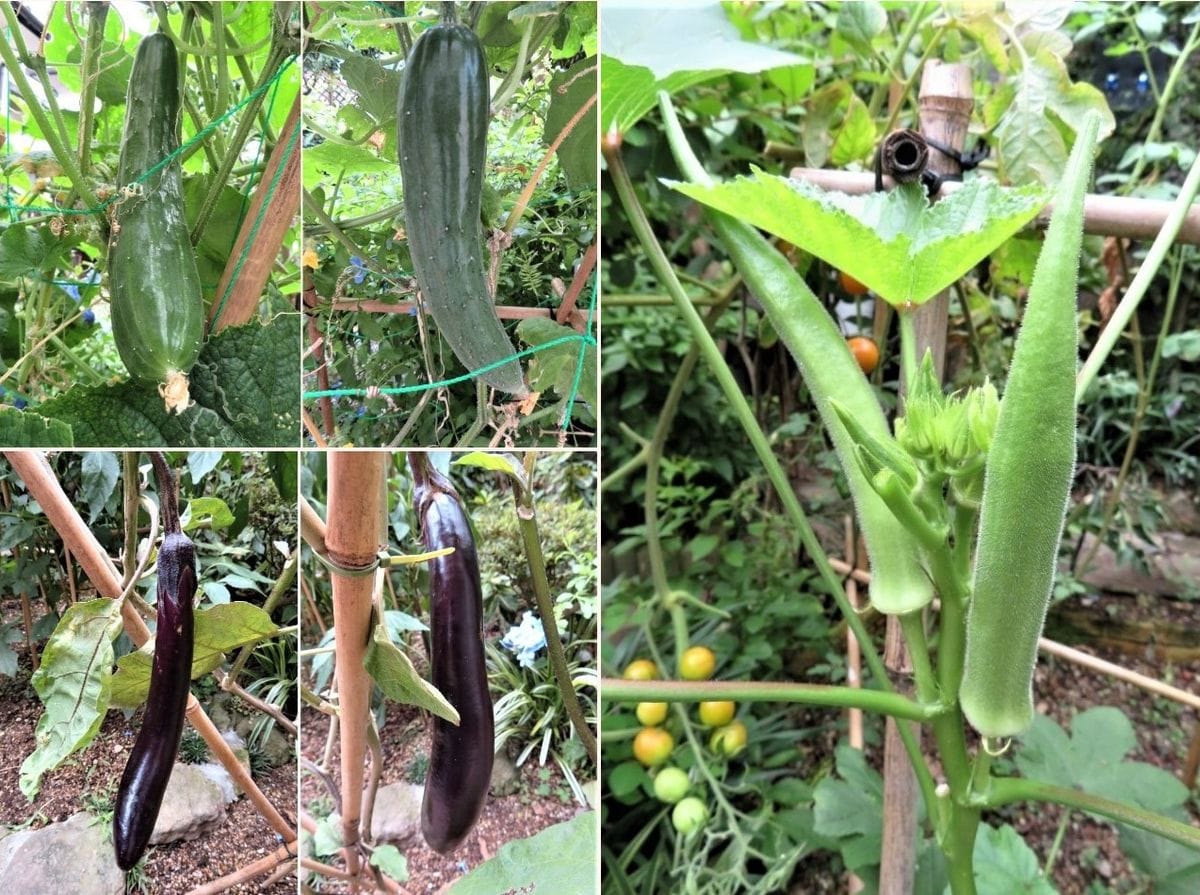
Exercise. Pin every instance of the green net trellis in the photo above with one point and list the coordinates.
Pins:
(584, 339)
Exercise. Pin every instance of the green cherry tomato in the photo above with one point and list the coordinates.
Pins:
(697, 663)
(651, 714)
(670, 785)
(641, 670)
(652, 746)
(689, 815)
(730, 739)
(717, 714)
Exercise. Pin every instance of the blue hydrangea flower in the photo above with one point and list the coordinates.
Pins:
(360, 269)
(525, 640)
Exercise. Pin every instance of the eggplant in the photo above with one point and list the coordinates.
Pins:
(460, 761)
(144, 781)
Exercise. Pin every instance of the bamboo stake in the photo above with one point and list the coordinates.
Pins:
(353, 536)
(281, 855)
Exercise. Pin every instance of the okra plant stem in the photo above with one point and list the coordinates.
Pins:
(762, 448)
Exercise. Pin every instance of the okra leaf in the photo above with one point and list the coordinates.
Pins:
(560, 858)
(905, 250)
(74, 682)
(1092, 758)
(1005, 864)
(244, 386)
(218, 630)
(1174, 868)
(398, 679)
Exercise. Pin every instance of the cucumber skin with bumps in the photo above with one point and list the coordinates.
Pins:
(443, 120)
(157, 304)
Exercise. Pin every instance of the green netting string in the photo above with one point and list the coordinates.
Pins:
(200, 135)
(585, 339)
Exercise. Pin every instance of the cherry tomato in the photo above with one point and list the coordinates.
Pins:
(850, 285)
(717, 714)
(670, 785)
(697, 663)
(689, 815)
(730, 739)
(865, 351)
(651, 713)
(652, 746)
(641, 670)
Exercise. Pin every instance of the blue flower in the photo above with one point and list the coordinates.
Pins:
(525, 640)
(20, 403)
(360, 270)
(89, 317)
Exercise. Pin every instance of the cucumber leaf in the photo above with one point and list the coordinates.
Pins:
(245, 388)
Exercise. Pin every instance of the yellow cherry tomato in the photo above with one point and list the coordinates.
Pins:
(641, 670)
(697, 663)
(652, 746)
(651, 713)
(717, 714)
(730, 739)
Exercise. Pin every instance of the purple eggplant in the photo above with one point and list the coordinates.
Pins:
(460, 762)
(149, 767)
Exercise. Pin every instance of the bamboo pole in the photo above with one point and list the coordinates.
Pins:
(281, 855)
(356, 480)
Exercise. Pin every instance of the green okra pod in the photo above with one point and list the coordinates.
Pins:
(1027, 479)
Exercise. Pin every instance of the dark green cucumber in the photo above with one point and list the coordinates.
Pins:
(443, 121)
(157, 305)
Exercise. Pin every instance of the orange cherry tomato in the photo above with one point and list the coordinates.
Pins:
(652, 746)
(850, 285)
(865, 351)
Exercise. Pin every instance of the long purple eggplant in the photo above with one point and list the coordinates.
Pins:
(460, 762)
(149, 767)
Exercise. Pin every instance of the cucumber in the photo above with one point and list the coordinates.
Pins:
(157, 305)
(443, 119)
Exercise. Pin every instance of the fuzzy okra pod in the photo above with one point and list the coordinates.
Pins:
(460, 761)
(149, 766)
(899, 584)
(1027, 479)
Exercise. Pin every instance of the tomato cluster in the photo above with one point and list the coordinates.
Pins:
(654, 744)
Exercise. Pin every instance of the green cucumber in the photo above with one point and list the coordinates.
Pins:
(157, 305)
(443, 121)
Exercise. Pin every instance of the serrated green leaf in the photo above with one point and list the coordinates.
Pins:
(74, 682)
(560, 858)
(897, 244)
(218, 630)
(630, 91)
(398, 679)
(245, 388)
(19, 428)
